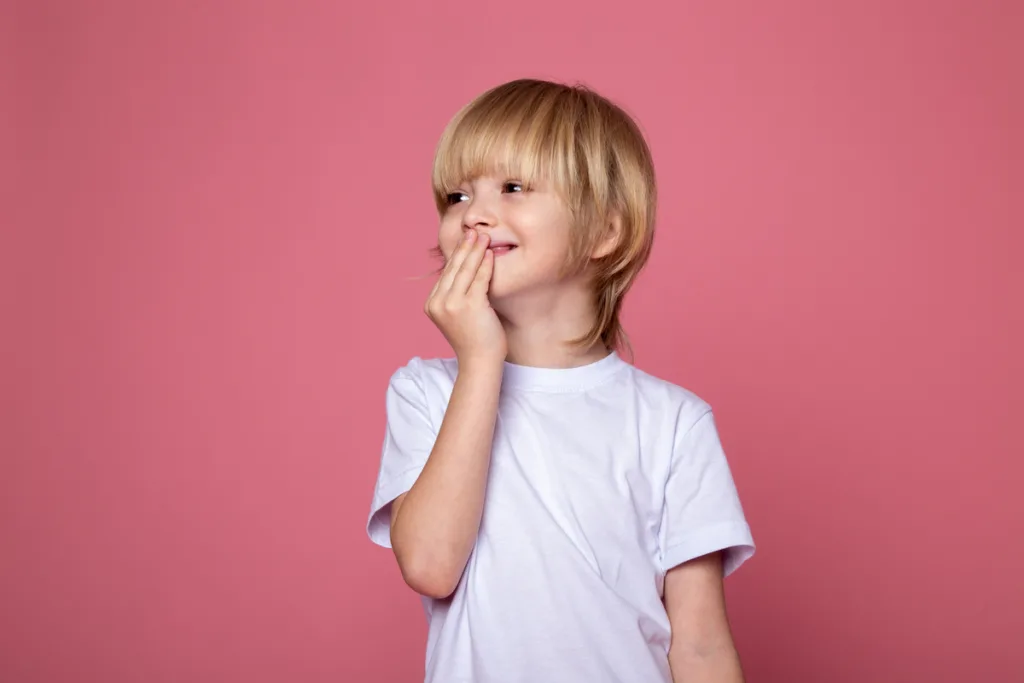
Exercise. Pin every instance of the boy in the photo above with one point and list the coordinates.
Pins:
(566, 517)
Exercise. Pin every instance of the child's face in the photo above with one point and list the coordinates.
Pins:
(529, 228)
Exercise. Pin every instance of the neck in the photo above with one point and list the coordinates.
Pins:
(540, 326)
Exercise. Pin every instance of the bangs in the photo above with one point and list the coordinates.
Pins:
(522, 136)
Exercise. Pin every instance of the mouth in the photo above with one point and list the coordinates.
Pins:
(501, 248)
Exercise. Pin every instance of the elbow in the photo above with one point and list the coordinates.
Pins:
(429, 575)
(429, 583)
(429, 586)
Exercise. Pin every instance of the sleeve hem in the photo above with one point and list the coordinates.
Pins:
(378, 527)
(732, 537)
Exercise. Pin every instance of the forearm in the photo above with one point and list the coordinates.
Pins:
(719, 663)
(702, 649)
(435, 528)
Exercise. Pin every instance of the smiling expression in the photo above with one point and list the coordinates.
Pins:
(529, 229)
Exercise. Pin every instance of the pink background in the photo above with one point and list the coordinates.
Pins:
(218, 215)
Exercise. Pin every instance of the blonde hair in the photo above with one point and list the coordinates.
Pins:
(595, 156)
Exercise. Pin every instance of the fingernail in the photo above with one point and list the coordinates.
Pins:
(470, 235)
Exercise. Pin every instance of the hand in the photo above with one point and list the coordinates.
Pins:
(459, 307)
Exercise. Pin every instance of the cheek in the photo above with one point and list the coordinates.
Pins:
(551, 244)
(448, 236)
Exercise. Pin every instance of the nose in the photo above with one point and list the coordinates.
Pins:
(479, 215)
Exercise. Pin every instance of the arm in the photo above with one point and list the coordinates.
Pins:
(435, 524)
(702, 649)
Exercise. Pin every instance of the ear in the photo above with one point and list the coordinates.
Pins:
(610, 239)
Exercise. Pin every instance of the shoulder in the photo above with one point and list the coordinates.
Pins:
(427, 373)
(674, 401)
(419, 390)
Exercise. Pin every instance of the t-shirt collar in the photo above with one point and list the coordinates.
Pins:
(524, 377)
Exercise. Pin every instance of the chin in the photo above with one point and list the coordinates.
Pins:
(506, 283)
(496, 293)
(499, 291)
(510, 287)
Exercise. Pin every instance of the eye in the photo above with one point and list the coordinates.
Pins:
(455, 197)
(513, 187)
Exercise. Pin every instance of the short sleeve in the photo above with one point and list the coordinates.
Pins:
(702, 511)
(408, 438)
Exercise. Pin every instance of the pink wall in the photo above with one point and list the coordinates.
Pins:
(217, 216)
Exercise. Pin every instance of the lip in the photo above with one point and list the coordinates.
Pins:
(500, 248)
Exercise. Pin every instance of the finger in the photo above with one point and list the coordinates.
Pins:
(451, 268)
(470, 265)
(455, 262)
(482, 282)
(437, 285)
(443, 271)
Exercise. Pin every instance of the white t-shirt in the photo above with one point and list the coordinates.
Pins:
(602, 478)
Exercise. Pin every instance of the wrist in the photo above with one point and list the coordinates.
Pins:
(481, 364)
